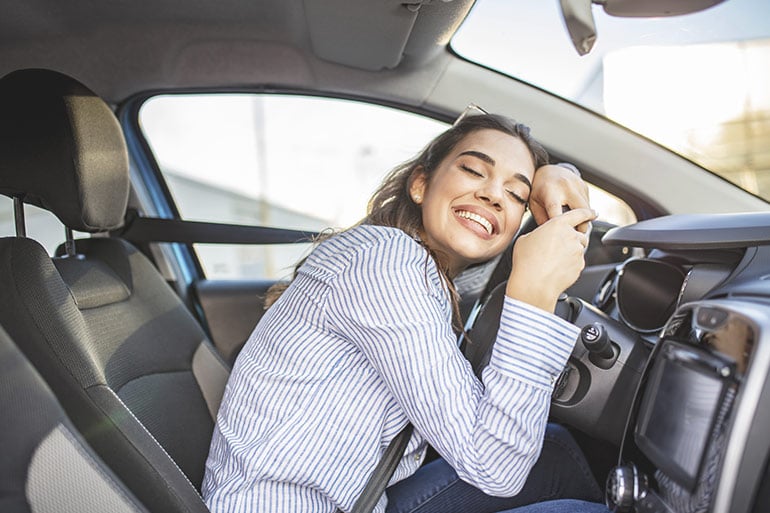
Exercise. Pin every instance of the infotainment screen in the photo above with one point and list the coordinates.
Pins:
(677, 413)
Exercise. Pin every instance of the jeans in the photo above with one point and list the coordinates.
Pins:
(561, 472)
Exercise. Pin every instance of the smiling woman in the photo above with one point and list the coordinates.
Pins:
(377, 300)
(280, 116)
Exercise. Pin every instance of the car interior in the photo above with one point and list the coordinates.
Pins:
(119, 324)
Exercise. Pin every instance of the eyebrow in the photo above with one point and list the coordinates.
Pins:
(489, 160)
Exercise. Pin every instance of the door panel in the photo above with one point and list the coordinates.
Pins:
(231, 309)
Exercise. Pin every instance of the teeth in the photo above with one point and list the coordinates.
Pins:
(475, 217)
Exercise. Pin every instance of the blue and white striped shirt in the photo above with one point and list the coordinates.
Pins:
(358, 345)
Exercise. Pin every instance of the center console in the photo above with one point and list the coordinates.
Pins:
(698, 434)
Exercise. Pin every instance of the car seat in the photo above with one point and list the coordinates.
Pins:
(46, 465)
(129, 363)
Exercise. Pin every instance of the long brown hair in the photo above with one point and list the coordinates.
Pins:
(391, 205)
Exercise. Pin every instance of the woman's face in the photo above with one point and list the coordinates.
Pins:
(473, 203)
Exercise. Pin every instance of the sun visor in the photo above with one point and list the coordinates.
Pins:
(374, 35)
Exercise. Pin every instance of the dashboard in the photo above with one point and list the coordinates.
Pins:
(686, 257)
(672, 364)
(698, 301)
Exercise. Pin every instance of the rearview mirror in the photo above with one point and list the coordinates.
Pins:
(579, 19)
(580, 24)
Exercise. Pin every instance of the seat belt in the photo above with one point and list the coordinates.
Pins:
(383, 472)
(155, 229)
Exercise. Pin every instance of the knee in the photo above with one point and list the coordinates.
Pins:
(559, 435)
(558, 443)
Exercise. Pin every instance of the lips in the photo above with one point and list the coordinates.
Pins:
(489, 224)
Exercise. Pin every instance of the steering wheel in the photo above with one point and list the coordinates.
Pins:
(595, 391)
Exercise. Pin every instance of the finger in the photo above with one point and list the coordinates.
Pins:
(578, 201)
(584, 227)
(577, 197)
(577, 217)
(571, 201)
(577, 244)
(538, 212)
(555, 208)
(582, 239)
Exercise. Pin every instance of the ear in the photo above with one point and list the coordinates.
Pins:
(418, 184)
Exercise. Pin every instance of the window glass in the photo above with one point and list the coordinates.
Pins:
(698, 84)
(609, 207)
(275, 160)
(284, 161)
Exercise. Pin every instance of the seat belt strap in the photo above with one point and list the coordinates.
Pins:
(383, 472)
(155, 229)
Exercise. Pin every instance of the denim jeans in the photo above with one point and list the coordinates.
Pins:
(561, 472)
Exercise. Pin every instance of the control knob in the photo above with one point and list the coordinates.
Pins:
(595, 338)
(625, 487)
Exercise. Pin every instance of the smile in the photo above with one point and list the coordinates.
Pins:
(477, 218)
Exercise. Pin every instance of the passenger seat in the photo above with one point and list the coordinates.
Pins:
(130, 365)
(46, 466)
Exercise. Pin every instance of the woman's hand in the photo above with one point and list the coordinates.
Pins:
(549, 259)
(556, 186)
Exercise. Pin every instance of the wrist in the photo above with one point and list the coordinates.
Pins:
(537, 296)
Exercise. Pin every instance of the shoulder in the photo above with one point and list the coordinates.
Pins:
(386, 243)
(382, 272)
(365, 235)
(374, 254)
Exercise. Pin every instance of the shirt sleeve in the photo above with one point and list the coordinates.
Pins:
(390, 302)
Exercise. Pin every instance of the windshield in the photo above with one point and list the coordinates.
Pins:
(698, 84)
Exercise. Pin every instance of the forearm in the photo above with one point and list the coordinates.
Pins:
(493, 437)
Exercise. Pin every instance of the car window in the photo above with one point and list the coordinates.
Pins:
(284, 161)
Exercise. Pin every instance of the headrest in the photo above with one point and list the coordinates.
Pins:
(62, 149)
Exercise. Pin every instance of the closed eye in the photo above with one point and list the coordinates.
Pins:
(470, 170)
(518, 198)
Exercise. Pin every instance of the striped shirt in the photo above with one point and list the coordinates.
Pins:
(358, 345)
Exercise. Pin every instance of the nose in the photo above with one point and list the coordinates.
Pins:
(492, 194)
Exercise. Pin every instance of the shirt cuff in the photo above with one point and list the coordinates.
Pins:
(532, 345)
(571, 167)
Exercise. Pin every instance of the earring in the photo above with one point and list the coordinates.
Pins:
(417, 198)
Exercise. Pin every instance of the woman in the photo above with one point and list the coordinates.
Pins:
(364, 340)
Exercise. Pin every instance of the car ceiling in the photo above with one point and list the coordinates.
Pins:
(123, 47)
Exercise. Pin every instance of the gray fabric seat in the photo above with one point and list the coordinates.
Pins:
(46, 465)
(127, 361)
